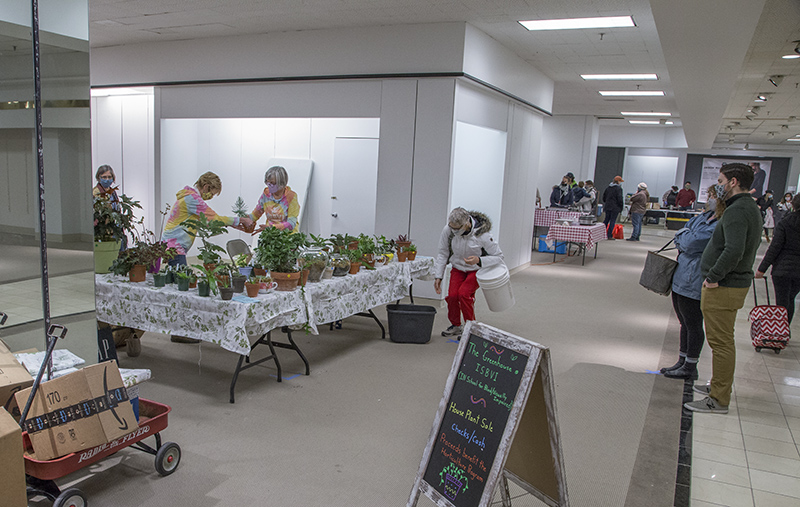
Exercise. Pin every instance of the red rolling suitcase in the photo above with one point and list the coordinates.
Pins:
(769, 324)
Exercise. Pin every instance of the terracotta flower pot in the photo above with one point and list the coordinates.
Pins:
(252, 289)
(402, 256)
(138, 273)
(355, 267)
(304, 277)
(192, 283)
(411, 256)
(286, 281)
(259, 272)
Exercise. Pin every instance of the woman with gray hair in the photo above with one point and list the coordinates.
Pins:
(278, 202)
(465, 243)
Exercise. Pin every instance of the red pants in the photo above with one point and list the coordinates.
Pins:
(461, 296)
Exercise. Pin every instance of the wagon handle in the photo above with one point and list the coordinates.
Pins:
(3, 318)
(52, 338)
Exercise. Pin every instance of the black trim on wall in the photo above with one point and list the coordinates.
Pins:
(331, 78)
(609, 163)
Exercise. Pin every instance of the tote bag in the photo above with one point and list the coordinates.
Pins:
(658, 271)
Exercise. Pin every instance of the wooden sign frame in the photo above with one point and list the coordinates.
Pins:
(529, 452)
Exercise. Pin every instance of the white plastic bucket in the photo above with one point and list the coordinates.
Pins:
(496, 284)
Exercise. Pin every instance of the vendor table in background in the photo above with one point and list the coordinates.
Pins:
(678, 219)
(585, 236)
(547, 217)
(242, 323)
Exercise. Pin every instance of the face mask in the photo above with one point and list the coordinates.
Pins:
(459, 232)
(207, 196)
(720, 191)
(273, 188)
(106, 183)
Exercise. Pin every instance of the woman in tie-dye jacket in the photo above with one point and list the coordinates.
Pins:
(278, 201)
(190, 204)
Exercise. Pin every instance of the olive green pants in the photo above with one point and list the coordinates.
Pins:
(719, 306)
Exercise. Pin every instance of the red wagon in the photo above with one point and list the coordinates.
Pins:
(40, 475)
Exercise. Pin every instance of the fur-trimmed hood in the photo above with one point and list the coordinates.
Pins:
(482, 222)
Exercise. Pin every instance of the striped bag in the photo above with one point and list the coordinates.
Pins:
(769, 324)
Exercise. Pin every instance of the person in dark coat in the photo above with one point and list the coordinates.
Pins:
(613, 203)
(561, 196)
(783, 255)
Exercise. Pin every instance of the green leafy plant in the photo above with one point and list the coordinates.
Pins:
(239, 207)
(208, 276)
(339, 242)
(410, 248)
(111, 224)
(146, 250)
(206, 229)
(355, 255)
(384, 246)
(223, 276)
(241, 260)
(277, 250)
(366, 244)
(319, 241)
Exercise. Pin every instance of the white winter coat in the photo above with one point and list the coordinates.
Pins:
(466, 246)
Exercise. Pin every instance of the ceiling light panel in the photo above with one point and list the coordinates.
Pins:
(621, 77)
(632, 93)
(579, 23)
(643, 113)
(649, 122)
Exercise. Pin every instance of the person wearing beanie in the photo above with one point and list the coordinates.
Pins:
(638, 208)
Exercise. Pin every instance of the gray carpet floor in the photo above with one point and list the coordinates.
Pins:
(353, 432)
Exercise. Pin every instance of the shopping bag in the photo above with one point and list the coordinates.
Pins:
(618, 233)
(658, 271)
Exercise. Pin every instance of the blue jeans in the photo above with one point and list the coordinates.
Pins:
(636, 220)
(179, 260)
(610, 221)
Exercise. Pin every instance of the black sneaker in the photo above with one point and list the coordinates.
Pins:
(453, 331)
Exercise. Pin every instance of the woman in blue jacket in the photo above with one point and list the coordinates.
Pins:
(686, 288)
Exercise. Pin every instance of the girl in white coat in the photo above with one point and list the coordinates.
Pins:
(467, 245)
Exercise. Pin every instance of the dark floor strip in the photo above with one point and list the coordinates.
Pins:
(683, 479)
(653, 479)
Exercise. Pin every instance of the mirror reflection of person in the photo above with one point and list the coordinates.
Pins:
(278, 202)
(191, 203)
(759, 177)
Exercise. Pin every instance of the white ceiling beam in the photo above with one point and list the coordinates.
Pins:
(704, 45)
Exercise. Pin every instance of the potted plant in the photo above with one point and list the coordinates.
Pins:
(367, 247)
(160, 278)
(340, 264)
(110, 227)
(277, 251)
(402, 254)
(223, 277)
(411, 252)
(206, 229)
(340, 242)
(239, 207)
(143, 255)
(241, 262)
(183, 277)
(384, 249)
(315, 260)
(401, 242)
(252, 286)
(207, 284)
(355, 256)
(319, 242)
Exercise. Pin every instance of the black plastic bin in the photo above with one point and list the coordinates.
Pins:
(410, 323)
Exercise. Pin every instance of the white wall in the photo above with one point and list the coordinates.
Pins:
(642, 136)
(657, 172)
(569, 144)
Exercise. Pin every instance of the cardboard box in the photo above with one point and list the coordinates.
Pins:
(80, 410)
(13, 378)
(12, 472)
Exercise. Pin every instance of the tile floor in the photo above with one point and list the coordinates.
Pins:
(749, 457)
(69, 294)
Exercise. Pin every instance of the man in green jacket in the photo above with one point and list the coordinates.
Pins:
(727, 268)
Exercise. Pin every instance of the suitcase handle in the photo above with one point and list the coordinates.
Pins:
(755, 292)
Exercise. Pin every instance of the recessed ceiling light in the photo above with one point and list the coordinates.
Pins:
(622, 77)
(633, 93)
(790, 57)
(578, 23)
(650, 122)
(643, 113)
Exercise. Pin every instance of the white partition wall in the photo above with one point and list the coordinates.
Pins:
(658, 173)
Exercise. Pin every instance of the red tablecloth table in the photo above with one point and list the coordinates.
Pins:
(546, 217)
(585, 236)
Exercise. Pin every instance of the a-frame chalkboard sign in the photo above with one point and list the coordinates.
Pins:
(496, 420)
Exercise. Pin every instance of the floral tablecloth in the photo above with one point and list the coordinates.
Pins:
(235, 324)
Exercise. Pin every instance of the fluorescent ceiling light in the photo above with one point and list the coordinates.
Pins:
(622, 77)
(107, 92)
(649, 122)
(578, 23)
(794, 139)
(790, 57)
(643, 113)
(633, 93)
